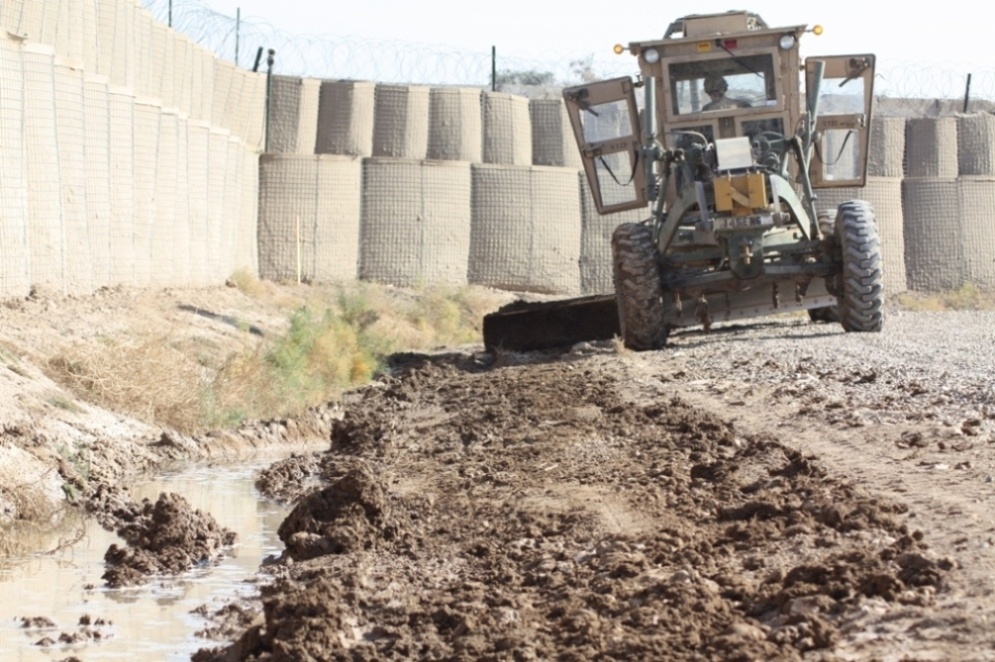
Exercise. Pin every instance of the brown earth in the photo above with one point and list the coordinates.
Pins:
(777, 491)
(167, 537)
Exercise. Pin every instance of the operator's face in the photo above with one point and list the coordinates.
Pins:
(714, 94)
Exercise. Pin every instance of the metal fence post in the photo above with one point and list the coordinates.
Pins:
(238, 28)
(269, 84)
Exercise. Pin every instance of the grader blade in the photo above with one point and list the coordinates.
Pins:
(523, 326)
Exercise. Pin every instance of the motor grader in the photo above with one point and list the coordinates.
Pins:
(725, 150)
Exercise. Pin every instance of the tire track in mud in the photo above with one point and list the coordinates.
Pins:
(935, 510)
(575, 509)
(910, 424)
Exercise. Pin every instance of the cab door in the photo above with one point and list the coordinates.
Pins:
(605, 123)
(844, 120)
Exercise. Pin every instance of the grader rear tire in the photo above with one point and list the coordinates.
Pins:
(638, 291)
(861, 299)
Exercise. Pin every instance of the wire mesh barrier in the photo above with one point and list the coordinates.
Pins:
(309, 217)
(416, 223)
(114, 171)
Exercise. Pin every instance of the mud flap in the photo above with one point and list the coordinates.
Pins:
(523, 326)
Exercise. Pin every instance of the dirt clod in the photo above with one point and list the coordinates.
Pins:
(165, 537)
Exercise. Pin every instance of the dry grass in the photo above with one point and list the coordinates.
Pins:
(967, 297)
(147, 376)
(618, 345)
(333, 338)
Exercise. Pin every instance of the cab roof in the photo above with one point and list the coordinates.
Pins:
(708, 25)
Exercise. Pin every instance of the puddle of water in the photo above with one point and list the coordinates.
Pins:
(152, 622)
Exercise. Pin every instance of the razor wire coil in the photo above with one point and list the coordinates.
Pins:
(400, 62)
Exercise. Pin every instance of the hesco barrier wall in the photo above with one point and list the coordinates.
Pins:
(976, 200)
(525, 233)
(976, 144)
(931, 147)
(507, 129)
(416, 222)
(400, 127)
(15, 242)
(511, 243)
(933, 239)
(128, 154)
(552, 138)
(454, 125)
(284, 117)
(345, 118)
(309, 211)
(886, 156)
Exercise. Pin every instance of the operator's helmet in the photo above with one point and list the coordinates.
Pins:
(715, 83)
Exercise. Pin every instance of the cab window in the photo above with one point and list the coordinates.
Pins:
(709, 85)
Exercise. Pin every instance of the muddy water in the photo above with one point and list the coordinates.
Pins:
(153, 622)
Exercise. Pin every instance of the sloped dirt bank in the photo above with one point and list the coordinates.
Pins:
(56, 450)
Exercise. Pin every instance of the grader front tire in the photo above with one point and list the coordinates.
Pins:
(861, 299)
(638, 290)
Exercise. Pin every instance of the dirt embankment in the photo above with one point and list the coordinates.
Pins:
(56, 449)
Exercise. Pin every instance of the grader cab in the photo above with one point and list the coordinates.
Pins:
(723, 139)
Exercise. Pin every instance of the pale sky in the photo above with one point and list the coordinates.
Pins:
(583, 25)
(535, 30)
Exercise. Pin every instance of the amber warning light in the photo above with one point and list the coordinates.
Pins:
(619, 49)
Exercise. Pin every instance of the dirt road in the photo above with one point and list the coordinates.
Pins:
(773, 491)
(777, 491)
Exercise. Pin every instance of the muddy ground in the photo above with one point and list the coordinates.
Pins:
(774, 491)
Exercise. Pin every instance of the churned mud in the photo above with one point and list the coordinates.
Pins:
(165, 537)
(547, 511)
(770, 491)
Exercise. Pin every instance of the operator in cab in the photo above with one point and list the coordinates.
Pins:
(716, 87)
